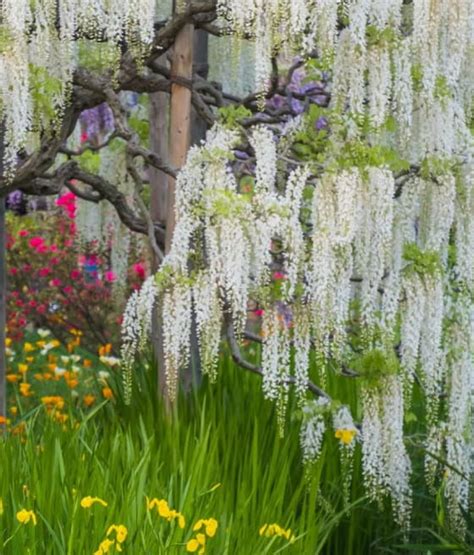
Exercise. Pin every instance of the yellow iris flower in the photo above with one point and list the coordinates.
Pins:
(210, 526)
(87, 502)
(25, 516)
(197, 543)
(345, 436)
(165, 512)
(270, 530)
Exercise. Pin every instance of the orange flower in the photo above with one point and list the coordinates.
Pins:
(107, 393)
(25, 389)
(52, 359)
(89, 400)
(55, 401)
(52, 366)
(47, 376)
(105, 350)
(39, 377)
(60, 417)
(12, 378)
(72, 383)
(87, 363)
(3, 420)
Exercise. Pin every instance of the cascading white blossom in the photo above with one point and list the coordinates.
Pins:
(136, 327)
(312, 430)
(386, 465)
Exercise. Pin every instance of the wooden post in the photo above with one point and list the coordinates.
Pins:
(180, 116)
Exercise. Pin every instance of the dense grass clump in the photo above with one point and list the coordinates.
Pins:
(220, 456)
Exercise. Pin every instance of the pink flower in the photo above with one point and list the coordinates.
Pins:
(259, 312)
(23, 232)
(84, 136)
(36, 242)
(54, 261)
(53, 248)
(55, 282)
(139, 269)
(43, 272)
(32, 303)
(279, 275)
(76, 274)
(42, 249)
(13, 271)
(68, 289)
(110, 276)
(41, 309)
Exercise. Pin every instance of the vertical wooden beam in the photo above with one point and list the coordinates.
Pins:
(180, 116)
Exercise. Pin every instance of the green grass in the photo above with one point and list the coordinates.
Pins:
(220, 456)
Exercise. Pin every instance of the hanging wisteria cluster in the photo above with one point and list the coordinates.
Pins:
(40, 48)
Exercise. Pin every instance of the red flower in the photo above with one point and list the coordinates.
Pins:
(76, 274)
(110, 276)
(139, 269)
(23, 232)
(36, 242)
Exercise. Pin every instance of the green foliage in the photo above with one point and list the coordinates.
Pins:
(231, 116)
(434, 166)
(5, 39)
(385, 36)
(45, 90)
(423, 263)
(374, 364)
(142, 127)
(89, 161)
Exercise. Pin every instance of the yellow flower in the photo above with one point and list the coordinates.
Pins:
(104, 547)
(29, 360)
(22, 368)
(270, 530)
(210, 525)
(8, 341)
(346, 436)
(12, 378)
(75, 332)
(165, 512)
(25, 389)
(28, 347)
(87, 502)
(41, 343)
(25, 516)
(120, 532)
(199, 542)
(13, 410)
